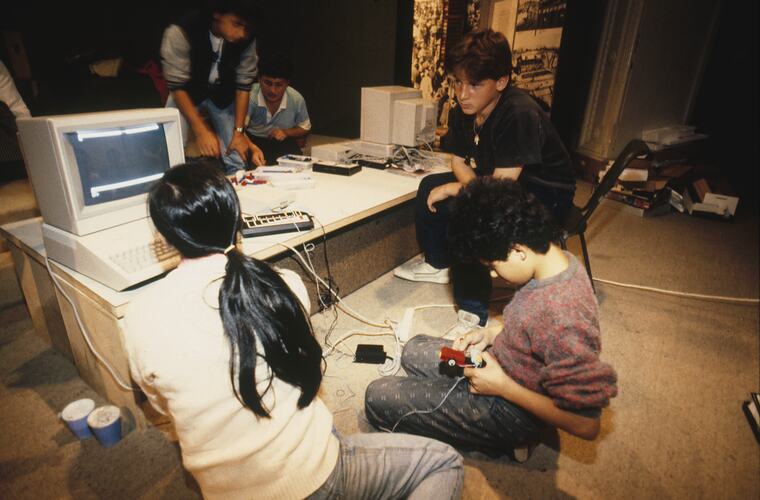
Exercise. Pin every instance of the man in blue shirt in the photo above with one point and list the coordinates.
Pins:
(279, 121)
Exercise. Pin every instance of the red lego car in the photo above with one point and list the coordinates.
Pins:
(452, 357)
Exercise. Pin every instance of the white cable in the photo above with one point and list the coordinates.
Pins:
(345, 308)
(353, 333)
(422, 412)
(385, 369)
(85, 334)
(392, 366)
(428, 306)
(720, 298)
(308, 248)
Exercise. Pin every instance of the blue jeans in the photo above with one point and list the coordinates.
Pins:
(471, 281)
(380, 466)
(467, 421)
(223, 122)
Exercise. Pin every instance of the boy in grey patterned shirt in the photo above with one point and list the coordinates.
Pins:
(541, 368)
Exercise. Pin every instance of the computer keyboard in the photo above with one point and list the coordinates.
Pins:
(276, 222)
(140, 257)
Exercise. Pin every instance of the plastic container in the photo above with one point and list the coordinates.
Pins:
(75, 415)
(105, 423)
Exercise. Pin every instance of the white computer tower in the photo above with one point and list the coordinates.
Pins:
(377, 110)
(413, 122)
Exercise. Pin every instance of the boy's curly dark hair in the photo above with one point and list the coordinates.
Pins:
(490, 216)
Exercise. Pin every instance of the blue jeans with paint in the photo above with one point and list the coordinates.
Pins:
(223, 122)
(380, 466)
(467, 421)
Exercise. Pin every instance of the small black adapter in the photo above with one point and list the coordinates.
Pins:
(368, 353)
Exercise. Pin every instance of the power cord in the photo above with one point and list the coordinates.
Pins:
(676, 293)
(85, 332)
(340, 304)
(423, 412)
(392, 364)
(719, 298)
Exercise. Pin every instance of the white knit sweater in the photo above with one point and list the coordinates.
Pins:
(180, 358)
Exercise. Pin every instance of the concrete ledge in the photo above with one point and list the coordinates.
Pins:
(17, 202)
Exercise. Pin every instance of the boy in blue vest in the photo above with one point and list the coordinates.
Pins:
(209, 62)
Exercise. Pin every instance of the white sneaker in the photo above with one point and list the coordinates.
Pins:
(419, 270)
(523, 454)
(466, 322)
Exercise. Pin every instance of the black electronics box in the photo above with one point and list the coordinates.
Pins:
(369, 353)
(377, 164)
(331, 167)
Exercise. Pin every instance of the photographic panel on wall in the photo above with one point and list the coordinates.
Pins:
(532, 27)
(534, 31)
(427, 46)
(439, 24)
(535, 47)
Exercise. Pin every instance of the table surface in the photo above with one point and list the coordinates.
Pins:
(336, 202)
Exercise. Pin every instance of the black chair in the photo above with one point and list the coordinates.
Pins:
(576, 221)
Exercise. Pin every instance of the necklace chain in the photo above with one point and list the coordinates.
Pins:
(476, 130)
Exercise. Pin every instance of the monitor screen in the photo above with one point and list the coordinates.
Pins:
(117, 163)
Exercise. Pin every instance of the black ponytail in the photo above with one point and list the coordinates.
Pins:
(196, 209)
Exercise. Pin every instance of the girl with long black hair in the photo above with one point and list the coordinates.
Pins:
(224, 346)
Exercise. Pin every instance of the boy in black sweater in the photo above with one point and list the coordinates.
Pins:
(497, 130)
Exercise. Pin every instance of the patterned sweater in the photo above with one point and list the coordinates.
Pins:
(550, 343)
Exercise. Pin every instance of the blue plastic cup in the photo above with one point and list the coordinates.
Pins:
(105, 423)
(75, 415)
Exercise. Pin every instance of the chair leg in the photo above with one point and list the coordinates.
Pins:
(586, 259)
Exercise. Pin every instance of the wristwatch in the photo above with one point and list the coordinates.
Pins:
(239, 129)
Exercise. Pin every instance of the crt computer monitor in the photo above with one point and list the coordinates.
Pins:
(92, 171)
(398, 115)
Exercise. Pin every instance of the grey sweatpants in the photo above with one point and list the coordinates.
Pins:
(467, 421)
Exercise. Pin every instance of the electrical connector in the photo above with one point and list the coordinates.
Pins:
(370, 353)
(404, 328)
(326, 297)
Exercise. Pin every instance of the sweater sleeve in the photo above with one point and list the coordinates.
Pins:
(573, 375)
(10, 96)
(518, 139)
(296, 284)
(175, 57)
(302, 113)
(455, 141)
(138, 363)
(248, 68)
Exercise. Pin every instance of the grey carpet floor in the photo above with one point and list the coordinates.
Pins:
(676, 429)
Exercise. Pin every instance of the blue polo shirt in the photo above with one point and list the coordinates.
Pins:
(292, 112)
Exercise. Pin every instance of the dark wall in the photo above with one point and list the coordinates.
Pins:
(726, 106)
(62, 38)
(57, 34)
(581, 33)
(337, 47)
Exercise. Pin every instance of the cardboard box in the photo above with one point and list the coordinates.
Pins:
(702, 197)
(660, 138)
